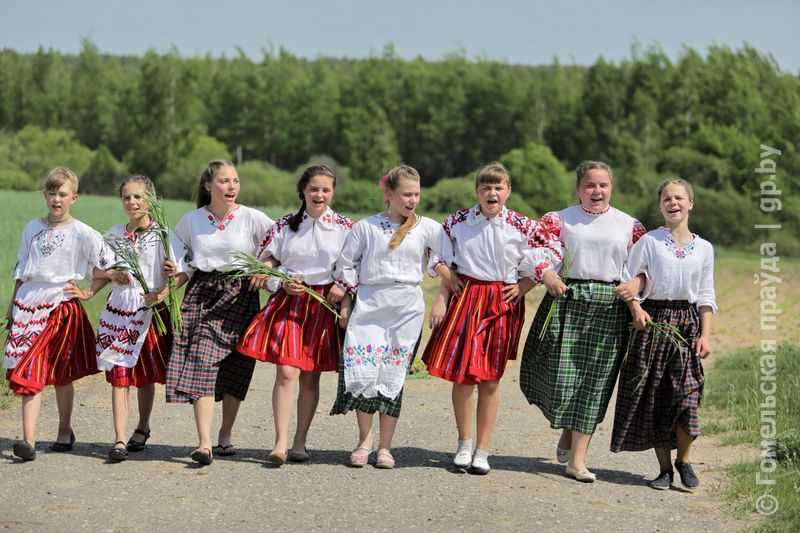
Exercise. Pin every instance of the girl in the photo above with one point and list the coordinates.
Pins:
(293, 331)
(382, 257)
(570, 373)
(51, 341)
(660, 388)
(129, 348)
(480, 330)
(204, 365)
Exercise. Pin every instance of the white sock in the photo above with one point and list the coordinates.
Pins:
(464, 445)
(481, 454)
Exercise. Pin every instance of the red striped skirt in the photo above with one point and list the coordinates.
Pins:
(151, 367)
(62, 353)
(478, 336)
(296, 331)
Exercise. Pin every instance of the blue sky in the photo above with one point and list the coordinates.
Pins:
(516, 31)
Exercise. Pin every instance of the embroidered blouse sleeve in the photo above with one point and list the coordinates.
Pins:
(345, 273)
(93, 249)
(22, 253)
(179, 252)
(639, 261)
(261, 225)
(184, 232)
(636, 233)
(707, 296)
(440, 248)
(271, 245)
(545, 248)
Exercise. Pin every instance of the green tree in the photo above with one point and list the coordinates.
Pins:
(538, 177)
(36, 151)
(104, 174)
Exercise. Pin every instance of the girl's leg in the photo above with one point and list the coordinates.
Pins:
(230, 408)
(488, 402)
(565, 440)
(120, 407)
(364, 429)
(664, 459)
(146, 395)
(462, 408)
(580, 445)
(203, 417)
(387, 427)
(65, 395)
(31, 406)
(684, 445)
(282, 403)
(307, 402)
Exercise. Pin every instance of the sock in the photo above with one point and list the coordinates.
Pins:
(464, 445)
(481, 454)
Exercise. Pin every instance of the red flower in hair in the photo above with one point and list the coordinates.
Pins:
(382, 182)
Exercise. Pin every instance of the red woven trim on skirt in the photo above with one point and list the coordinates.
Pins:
(296, 331)
(478, 336)
(151, 367)
(63, 352)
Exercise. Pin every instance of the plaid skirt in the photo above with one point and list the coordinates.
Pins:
(203, 361)
(570, 375)
(346, 402)
(151, 366)
(60, 354)
(296, 331)
(660, 387)
(478, 336)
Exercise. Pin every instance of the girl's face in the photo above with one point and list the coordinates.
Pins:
(492, 197)
(59, 201)
(675, 204)
(318, 194)
(404, 199)
(133, 201)
(595, 190)
(224, 187)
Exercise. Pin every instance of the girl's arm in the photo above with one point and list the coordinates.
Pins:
(72, 290)
(703, 348)
(10, 311)
(640, 316)
(516, 291)
(111, 274)
(345, 273)
(345, 309)
(439, 306)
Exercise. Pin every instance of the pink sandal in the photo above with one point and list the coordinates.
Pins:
(360, 456)
(384, 460)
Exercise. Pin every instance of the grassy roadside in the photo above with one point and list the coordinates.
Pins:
(735, 392)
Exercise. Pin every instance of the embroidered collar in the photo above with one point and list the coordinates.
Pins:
(476, 217)
(592, 213)
(223, 223)
(325, 220)
(678, 251)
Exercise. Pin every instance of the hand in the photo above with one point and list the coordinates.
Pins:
(554, 284)
(627, 291)
(336, 294)
(258, 282)
(640, 319)
(344, 312)
(71, 290)
(153, 298)
(170, 268)
(437, 314)
(119, 276)
(703, 347)
(511, 293)
(451, 280)
(293, 288)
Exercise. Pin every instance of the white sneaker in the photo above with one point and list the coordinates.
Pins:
(463, 458)
(480, 466)
(562, 455)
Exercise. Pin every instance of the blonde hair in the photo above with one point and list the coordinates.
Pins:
(588, 165)
(677, 181)
(391, 183)
(493, 173)
(58, 176)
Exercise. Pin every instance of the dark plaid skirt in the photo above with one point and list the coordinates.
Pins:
(203, 361)
(346, 402)
(659, 387)
(571, 373)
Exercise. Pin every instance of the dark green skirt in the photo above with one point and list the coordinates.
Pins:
(571, 373)
(346, 402)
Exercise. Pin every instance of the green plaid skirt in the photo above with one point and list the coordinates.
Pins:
(570, 375)
(346, 402)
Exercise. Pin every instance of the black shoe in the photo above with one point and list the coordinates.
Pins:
(663, 481)
(135, 446)
(63, 446)
(118, 454)
(24, 451)
(689, 479)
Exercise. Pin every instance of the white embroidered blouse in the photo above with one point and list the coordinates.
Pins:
(210, 241)
(367, 259)
(58, 255)
(597, 244)
(310, 252)
(673, 272)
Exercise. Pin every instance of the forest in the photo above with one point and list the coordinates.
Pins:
(705, 116)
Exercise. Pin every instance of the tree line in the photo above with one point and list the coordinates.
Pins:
(702, 117)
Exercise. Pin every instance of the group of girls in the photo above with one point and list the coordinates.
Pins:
(597, 264)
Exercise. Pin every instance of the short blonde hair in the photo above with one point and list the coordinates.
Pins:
(677, 181)
(58, 176)
(493, 173)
